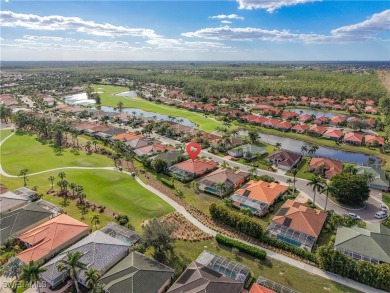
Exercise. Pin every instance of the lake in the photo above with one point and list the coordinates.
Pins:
(295, 146)
(131, 94)
(317, 113)
(139, 113)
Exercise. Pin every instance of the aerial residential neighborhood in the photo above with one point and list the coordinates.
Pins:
(193, 147)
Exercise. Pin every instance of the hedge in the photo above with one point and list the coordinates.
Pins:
(302, 253)
(248, 249)
(237, 220)
(167, 183)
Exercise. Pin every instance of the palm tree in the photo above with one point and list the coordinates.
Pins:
(253, 171)
(221, 187)
(92, 276)
(368, 176)
(73, 187)
(278, 145)
(349, 168)
(253, 136)
(294, 172)
(71, 265)
(23, 173)
(304, 149)
(51, 179)
(31, 272)
(326, 188)
(12, 268)
(316, 183)
(95, 220)
(94, 142)
(62, 175)
(120, 106)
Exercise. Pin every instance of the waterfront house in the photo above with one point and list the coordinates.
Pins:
(353, 138)
(188, 170)
(300, 128)
(325, 167)
(284, 160)
(333, 134)
(248, 151)
(379, 181)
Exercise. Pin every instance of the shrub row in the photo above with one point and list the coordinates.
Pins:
(237, 220)
(166, 182)
(251, 250)
(302, 253)
(335, 261)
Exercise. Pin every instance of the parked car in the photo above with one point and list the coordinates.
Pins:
(384, 207)
(352, 215)
(380, 215)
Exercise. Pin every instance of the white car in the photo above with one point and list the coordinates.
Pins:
(352, 215)
(380, 215)
(384, 207)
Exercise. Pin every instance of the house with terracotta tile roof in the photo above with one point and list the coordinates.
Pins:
(338, 107)
(283, 126)
(288, 115)
(297, 225)
(127, 136)
(232, 180)
(333, 134)
(370, 139)
(300, 128)
(321, 120)
(316, 130)
(337, 120)
(353, 109)
(270, 123)
(260, 193)
(188, 170)
(51, 237)
(284, 160)
(153, 149)
(325, 167)
(353, 138)
(349, 102)
(305, 118)
(370, 110)
(257, 288)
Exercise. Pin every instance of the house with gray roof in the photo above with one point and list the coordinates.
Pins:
(10, 201)
(380, 182)
(100, 251)
(171, 157)
(137, 273)
(139, 142)
(247, 151)
(211, 273)
(20, 220)
(370, 244)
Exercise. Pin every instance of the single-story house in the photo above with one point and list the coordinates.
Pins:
(264, 193)
(380, 181)
(188, 170)
(284, 160)
(248, 151)
(321, 120)
(305, 118)
(297, 225)
(137, 273)
(270, 123)
(325, 167)
(370, 139)
(127, 136)
(139, 142)
(153, 149)
(283, 126)
(353, 138)
(337, 120)
(300, 128)
(51, 237)
(232, 180)
(211, 273)
(370, 110)
(318, 130)
(99, 251)
(333, 134)
(287, 115)
(20, 220)
(370, 244)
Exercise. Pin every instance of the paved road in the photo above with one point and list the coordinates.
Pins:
(189, 217)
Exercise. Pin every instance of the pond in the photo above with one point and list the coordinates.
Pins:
(295, 146)
(131, 94)
(139, 112)
(315, 112)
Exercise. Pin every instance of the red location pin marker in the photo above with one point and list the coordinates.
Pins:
(193, 150)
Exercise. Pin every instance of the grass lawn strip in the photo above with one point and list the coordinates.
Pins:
(24, 151)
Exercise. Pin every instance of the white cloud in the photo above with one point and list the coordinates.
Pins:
(270, 5)
(60, 23)
(230, 16)
(366, 30)
(47, 38)
(226, 21)
(179, 44)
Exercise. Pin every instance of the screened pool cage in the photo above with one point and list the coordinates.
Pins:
(258, 208)
(291, 236)
(224, 266)
(121, 233)
(274, 286)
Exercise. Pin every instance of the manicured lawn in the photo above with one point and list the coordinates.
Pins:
(386, 198)
(24, 151)
(303, 167)
(116, 191)
(279, 272)
(109, 99)
(4, 133)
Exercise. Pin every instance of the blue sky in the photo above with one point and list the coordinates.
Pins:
(248, 30)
